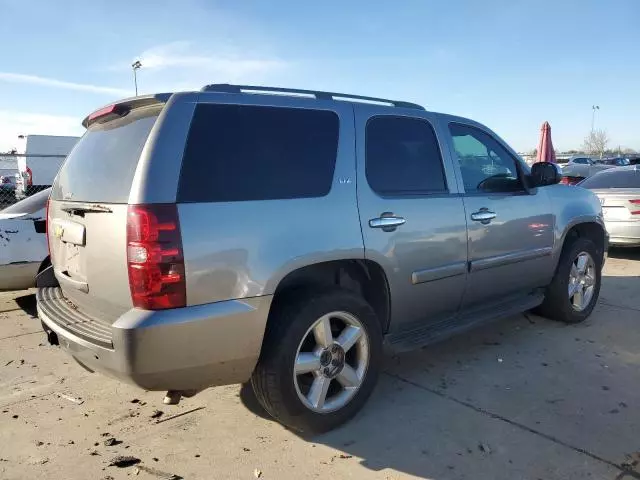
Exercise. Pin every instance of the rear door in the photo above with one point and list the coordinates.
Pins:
(412, 219)
(88, 212)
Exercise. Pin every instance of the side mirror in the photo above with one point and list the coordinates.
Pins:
(545, 173)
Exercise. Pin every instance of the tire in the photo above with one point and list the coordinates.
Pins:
(557, 304)
(283, 394)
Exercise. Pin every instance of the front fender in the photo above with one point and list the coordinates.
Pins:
(573, 206)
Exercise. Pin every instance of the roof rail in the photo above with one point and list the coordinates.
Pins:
(228, 88)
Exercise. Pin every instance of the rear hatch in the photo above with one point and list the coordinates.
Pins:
(88, 210)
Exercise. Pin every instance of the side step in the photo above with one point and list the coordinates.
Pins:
(421, 335)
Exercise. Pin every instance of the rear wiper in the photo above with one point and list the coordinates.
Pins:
(87, 209)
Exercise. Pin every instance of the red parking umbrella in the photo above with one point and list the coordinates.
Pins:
(546, 153)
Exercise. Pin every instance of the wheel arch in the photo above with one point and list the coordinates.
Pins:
(361, 276)
(586, 228)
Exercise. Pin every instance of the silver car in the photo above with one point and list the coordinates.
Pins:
(582, 167)
(286, 238)
(619, 192)
(23, 244)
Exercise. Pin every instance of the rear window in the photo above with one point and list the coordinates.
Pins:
(613, 179)
(101, 166)
(239, 152)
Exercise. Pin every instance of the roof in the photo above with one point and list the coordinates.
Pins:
(318, 94)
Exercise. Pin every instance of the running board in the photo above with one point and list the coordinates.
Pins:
(419, 336)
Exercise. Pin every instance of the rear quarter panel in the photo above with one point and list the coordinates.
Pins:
(244, 249)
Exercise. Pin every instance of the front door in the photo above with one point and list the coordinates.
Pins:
(510, 228)
(412, 219)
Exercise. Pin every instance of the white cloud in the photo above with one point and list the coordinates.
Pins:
(179, 64)
(180, 54)
(13, 124)
(52, 82)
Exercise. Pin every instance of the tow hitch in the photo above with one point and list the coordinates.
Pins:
(52, 337)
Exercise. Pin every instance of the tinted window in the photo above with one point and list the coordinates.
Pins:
(237, 152)
(30, 204)
(485, 165)
(403, 157)
(613, 179)
(101, 166)
(581, 161)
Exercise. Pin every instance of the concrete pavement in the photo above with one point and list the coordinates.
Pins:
(524, 398)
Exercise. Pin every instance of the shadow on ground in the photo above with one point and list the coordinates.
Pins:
(625, 253)
(519, 398)
(28, 304)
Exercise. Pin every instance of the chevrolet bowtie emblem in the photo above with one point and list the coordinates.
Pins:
(58, 231)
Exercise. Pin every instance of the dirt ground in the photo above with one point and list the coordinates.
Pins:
(524, 398)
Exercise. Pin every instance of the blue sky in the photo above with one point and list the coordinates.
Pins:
(510, 64)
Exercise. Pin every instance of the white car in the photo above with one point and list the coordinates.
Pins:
(23, 242)
(581, 167)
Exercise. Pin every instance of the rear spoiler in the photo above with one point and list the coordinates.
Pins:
(121, 108)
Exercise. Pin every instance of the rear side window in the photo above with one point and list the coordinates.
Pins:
(617, 179)
(240, 152)
(101, 166)
(403, 157)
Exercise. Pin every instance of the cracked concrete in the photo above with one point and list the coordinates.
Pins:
(521, 398)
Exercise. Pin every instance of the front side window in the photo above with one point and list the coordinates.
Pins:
(403, 157)
(485, 165)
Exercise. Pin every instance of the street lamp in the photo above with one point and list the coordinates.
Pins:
(136, 65)
(593, 115)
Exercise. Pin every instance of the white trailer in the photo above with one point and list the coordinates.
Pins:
(44, 155)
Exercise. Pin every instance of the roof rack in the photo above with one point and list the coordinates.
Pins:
(228, 88)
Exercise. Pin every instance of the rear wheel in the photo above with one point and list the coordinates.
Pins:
(574, 290)
(320, 360)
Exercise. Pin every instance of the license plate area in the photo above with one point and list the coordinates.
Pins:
(615, 213)
(72, 239)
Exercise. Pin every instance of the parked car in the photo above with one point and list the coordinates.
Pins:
(619, 193)
(284, 239)
(8, 183)
(23, 244)
(578, 168)
(615, 162)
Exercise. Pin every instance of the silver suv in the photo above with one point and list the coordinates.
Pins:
(286, 236)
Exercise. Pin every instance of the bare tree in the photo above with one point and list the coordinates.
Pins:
(596, 142)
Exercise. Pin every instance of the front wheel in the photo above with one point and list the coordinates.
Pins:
(320, 360)
(574, 290)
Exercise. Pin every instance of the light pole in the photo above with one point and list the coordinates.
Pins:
(135, 66)
(593, 116)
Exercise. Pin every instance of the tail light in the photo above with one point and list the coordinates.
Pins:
(635, 203)
(154, 257)
(46, 228)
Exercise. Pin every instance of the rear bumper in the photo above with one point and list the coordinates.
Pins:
(624, 233)
(188, 348)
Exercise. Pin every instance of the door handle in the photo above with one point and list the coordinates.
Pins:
(484, 216)
(388, 222)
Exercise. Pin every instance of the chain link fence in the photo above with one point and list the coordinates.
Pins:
(18, 180)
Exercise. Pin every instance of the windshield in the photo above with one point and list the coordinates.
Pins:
(30, 204)
(101, 166)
